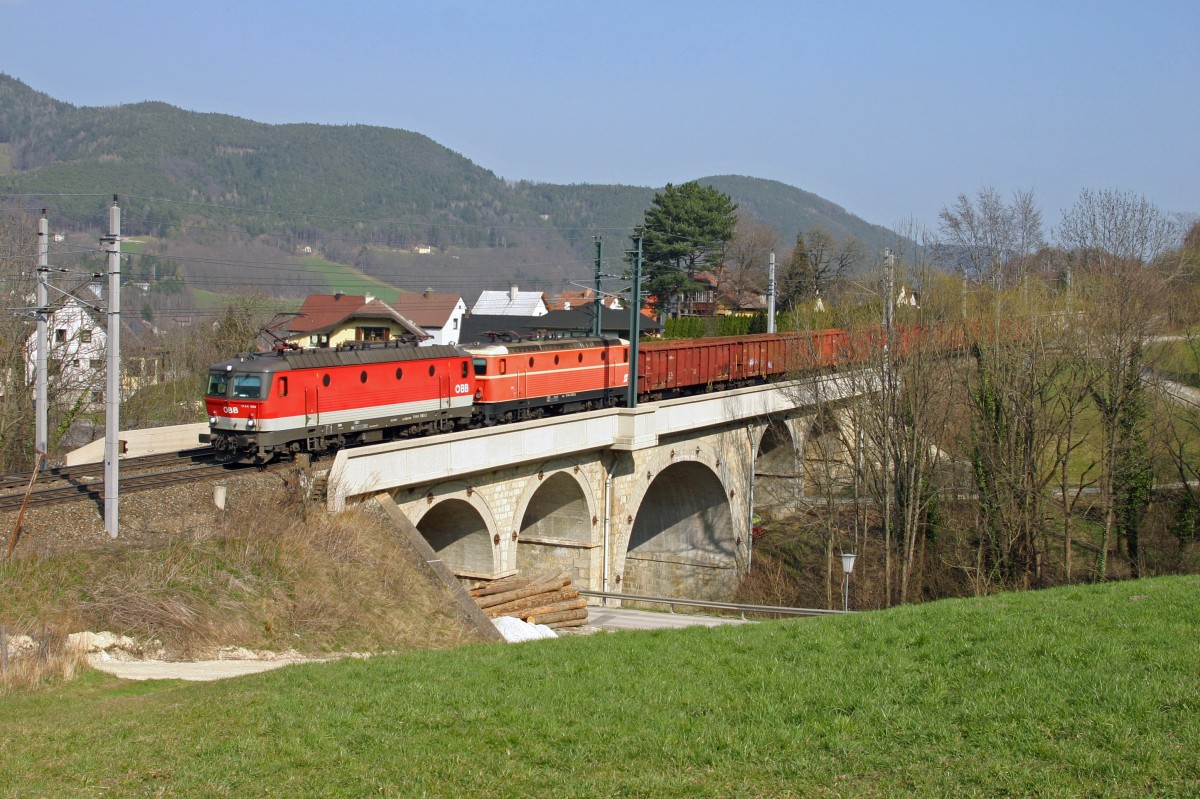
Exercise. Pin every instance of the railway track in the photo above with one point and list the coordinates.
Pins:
(86, 482)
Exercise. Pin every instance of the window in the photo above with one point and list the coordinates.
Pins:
(466, 368)
(60, 335)
(480, 366)
(556, 360)
(454, 323)
(283, 386)
(530, 361)
(371, 334)
(504, 366)
(399, 373)
(218, 382)
(432, 370)
(362, 377)
(247, 386)
(581, 357)
(325, 381)
(604, 355)
(85, 335)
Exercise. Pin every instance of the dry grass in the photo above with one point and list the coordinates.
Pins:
(273, 578)
(50, 660)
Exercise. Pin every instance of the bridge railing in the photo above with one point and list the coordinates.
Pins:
(671, 602)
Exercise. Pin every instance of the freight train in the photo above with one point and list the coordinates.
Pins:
(277, 404)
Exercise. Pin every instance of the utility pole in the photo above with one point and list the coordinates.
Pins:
(42, 342)
(598, 306)
(635, 315)
(771, 294)
(112, 399)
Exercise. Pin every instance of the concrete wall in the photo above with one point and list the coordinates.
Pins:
(152, 441)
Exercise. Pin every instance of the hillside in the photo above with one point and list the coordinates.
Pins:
(363, 196)
(1079, 691)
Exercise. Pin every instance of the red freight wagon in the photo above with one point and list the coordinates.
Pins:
(667, 368)
(527, 379)
(309, 400)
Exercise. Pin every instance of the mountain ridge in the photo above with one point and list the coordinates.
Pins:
(362, 188)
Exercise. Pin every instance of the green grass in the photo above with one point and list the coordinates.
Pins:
(348, 279)
(1082, 691)
(1176, 360)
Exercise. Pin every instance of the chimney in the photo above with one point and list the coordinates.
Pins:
(427, 293)
(368, 298)
(337, 295)
(512, 293)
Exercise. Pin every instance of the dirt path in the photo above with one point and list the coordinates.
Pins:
(195, 670)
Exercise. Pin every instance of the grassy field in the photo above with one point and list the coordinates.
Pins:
(1082, 691)
(348, 279)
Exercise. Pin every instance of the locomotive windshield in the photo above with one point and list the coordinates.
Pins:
(218, 383)
(247, 386)
(480, 365)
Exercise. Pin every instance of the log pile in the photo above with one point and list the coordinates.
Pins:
(545, 599)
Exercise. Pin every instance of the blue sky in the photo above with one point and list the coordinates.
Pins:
(888, 109)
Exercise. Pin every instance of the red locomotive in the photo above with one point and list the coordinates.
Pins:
(269, 403)
(266, 404)
(528, 379)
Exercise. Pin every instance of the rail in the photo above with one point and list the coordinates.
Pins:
(671, 602)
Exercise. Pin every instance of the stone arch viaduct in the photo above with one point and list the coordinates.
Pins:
(653, 500)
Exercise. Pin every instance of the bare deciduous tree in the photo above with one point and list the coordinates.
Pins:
(742, 277)
(18, 256)
(1116, 240)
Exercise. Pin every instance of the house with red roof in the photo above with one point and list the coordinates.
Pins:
(330, 320)
(439, 315)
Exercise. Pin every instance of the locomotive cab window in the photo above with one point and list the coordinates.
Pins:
(218, 384)
(247, 386)
(282, 386)
(466, 368)
(480, 366)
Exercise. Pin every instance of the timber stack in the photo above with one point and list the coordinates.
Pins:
(545, 599)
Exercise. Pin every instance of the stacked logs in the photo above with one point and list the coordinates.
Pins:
(545, 599)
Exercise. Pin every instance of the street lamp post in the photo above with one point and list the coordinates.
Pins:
(847, 567)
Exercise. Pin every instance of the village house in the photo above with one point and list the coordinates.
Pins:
(513, 302)
(439, 315)
(77, 354)
(331, 320)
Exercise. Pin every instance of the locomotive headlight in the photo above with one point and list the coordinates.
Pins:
(250, 423)
(212, 420)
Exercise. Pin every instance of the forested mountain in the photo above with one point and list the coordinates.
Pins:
(364, 196)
